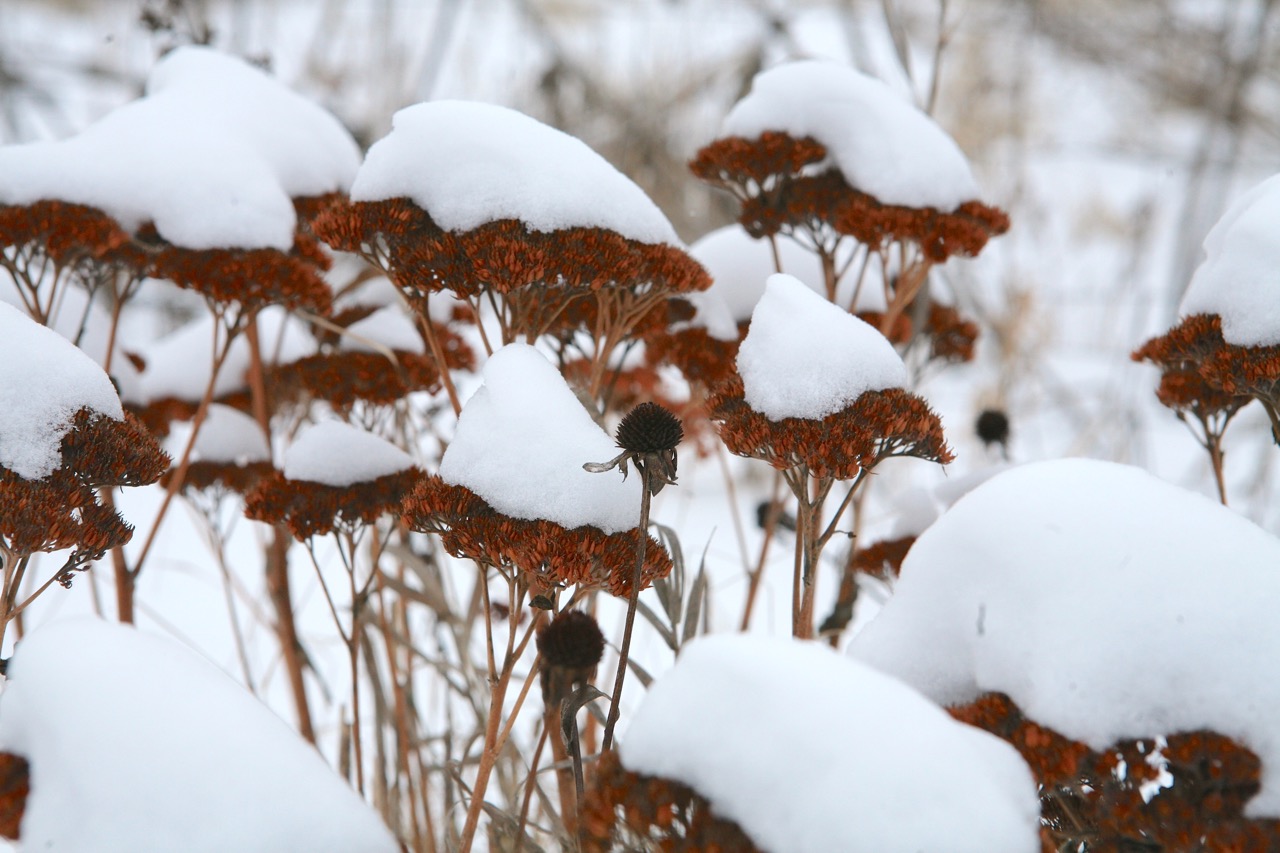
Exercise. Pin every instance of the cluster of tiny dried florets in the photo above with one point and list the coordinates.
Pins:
(312, 509)
(342, 378)
(1205, 374)
(548, 555)
(85, 239)
(554, 283)
(250, 278)
(61, 510)
(876, 426)
(951, 337)
(15, 786)
(775, 177)
(1100, 799)
(625, 811)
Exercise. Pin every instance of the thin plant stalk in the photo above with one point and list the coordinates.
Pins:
(615, 706)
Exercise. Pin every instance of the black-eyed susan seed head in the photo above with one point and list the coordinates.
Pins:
(992, 427)
(649, 428)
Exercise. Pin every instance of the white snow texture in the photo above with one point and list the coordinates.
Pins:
(805, 357)
(522, 440)
(1106, 603)
(810, 752)
(135, 743)
(213, 154)
(882, 144)
(467, 163)
(1239, 279)
(44, 380)
(333, 453)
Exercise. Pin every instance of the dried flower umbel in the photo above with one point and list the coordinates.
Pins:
(1205, 381)
(547, 555)
(625, 811)
(541, 283)
(814, 454)
(776, 181)
(1103, 801)
(62, 511)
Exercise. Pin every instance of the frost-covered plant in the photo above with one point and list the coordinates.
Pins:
(835, 427)
(63, 437)
(828, 156)
(506, 213)
(1225, 350)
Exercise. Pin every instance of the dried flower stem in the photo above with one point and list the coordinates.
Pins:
(648, 475)
(499, 681)
(126, 577)
(277, 557)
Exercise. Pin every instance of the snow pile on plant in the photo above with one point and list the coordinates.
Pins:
(387, 327)
(522, 440)
(1106, 603)
(213, 155)
(230, 436)
(44, 380)
(739, 266)
(1240, 275)
(337, 454)
(468, 163)
(808, 750)
(807, 358)
(882, 144)
(135, 743)
(181, 363)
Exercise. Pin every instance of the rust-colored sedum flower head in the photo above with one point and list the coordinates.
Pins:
(626, 811)
(1204, 376)
(821, 150)
(1168, 793)
(484, 201)
(374, 372)
(335, 478)
(819, 390)
(63, 436)
(877, 426)
(61, 510)
(549, 555)
(73, 238)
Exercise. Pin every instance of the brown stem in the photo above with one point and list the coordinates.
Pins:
(615, 707)
(277, 556)
(437, 352)
(753, 578)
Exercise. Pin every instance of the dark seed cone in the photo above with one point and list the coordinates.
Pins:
(992, 427)
(571, 646)
(649, 428)
(572, 640)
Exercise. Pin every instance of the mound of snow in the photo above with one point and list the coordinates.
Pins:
(337, 454)
(44, 380)
(135, 743)
(811, 752)
(882, 144)
(213, 154)
(521, 442)
(468, 163)
(807, 358)
(1240, 274)
(1107, 604)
